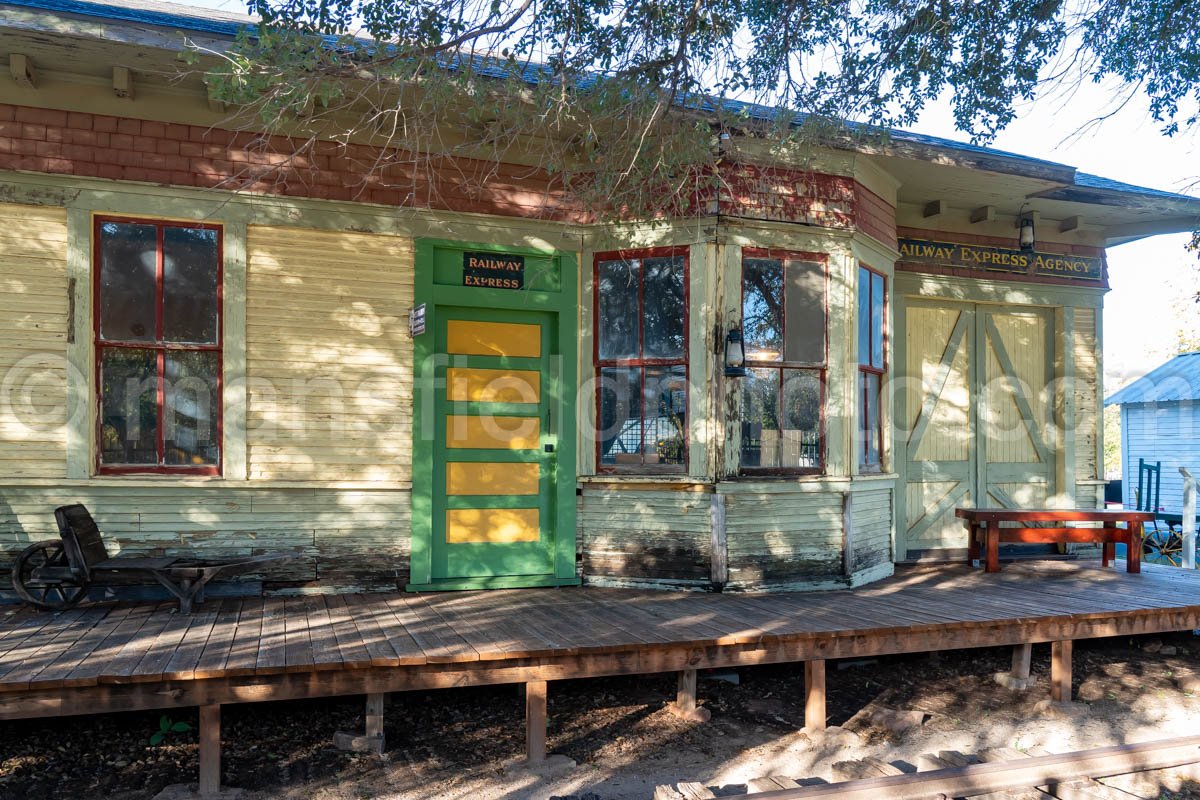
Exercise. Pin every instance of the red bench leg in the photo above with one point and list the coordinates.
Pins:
(972, 543)
(993, 547)
(1109, 553)
(1133, 551)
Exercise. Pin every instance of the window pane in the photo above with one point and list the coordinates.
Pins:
(620, 431)
(869, 429)
(801, 417)
(190, 415)
(760, 418)
(128, 261)
(877, 295)
(190, 285)
(864, 316)
(804, 315)
(666, 415)
(128, 406)
(663, 308)
(617, 327)
(762, 308)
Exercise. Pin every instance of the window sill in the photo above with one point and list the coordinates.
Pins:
(643, 481)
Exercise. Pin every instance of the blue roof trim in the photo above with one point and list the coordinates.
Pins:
(1097, 182)
(1176, 380)
(196, 24)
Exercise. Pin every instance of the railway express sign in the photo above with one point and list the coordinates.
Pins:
(999, 259)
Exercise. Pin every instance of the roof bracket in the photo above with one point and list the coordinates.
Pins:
(122, 83)
(983, 214)
(1070, 224)
(23, 71)
(934, 208)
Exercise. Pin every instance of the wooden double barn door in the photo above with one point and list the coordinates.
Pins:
(975, 409)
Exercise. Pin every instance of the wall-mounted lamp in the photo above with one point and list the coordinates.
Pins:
(1027, 234)
(735, 354)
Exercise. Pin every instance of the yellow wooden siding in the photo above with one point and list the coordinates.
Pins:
(33, 341)
(782, 537)
(328, 355)
(342, 538)
(871, 518)
(1087, 416)
(645, 535)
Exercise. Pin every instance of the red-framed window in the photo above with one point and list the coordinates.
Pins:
(157, 301)
(640, 352)
(872, 364)
(785, 332)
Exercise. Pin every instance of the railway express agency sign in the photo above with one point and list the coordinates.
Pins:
(998, 259)
(494, 270)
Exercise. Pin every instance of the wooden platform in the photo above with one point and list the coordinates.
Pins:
(133, 656)
(125, 657)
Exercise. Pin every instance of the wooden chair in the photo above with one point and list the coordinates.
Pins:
(1146, 497)
(56, 573)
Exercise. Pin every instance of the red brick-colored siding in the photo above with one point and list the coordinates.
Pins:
(876, 217)
(120, 148)
(787, 195)
(94, 145)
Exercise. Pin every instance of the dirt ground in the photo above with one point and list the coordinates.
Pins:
(459, 743)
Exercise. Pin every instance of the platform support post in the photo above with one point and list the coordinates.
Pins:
(685, 706)
(1022, 656)
(814, 695)
(210, 751)
(535, 722)
(371, 740)
(375, 715)
(1060, 671)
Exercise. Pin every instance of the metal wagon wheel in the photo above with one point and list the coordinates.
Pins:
(42, 576)
(1163, 547)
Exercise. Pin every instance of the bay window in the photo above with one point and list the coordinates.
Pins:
(872, 291)
(784, 329)
(641, 360)
(158, 346)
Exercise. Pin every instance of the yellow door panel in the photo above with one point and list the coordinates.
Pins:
(492, 433)
(464, 478)
(472, 338)
(466, 384)
(492, 525)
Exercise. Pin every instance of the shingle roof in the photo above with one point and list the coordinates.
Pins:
(1178, 379)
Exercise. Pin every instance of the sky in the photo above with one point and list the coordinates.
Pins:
(1152, 280)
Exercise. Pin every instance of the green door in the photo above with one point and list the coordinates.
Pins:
(494, 448)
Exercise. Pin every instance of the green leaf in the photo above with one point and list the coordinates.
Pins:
(164, 723)
(181, 727)
(156, 740)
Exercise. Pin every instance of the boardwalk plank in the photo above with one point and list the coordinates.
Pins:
(272, 655)
(352, 651)
(243, 654)
(215, 654)
(182, 664)
(56, 673)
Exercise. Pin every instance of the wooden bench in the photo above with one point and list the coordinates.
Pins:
(985, 531)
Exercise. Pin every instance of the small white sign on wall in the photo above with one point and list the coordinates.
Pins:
(416, 320)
